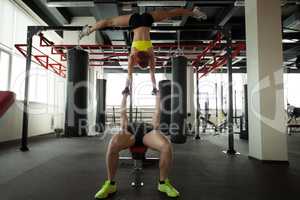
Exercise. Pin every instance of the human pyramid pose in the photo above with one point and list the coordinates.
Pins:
(140, 134)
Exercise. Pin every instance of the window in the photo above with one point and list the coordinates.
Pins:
(33, 82)
(4, 70)
(142, 88)
(291, 87)
(7, 21)
(45, 87)
(18, 76)
(41, 86)
(207, 90)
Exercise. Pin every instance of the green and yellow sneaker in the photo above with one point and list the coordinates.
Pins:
(168, 189)
(106, 190)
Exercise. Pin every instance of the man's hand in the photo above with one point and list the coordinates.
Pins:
(126, 91)
(154, 91)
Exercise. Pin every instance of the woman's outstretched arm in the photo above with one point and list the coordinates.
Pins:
(152, 74)
(129, 77)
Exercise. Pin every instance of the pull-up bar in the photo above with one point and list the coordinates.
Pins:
(112, 52)
(36, 29)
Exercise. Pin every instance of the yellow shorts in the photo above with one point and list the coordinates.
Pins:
(142, 45)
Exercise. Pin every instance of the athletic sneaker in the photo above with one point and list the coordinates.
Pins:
(85, 31)
(168, 189)
(199, 14)
(106, 190)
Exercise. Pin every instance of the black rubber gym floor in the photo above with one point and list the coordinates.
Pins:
(65, 169)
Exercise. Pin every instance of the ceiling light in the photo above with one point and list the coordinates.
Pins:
(161, 3)
(289, 41)
(239, 3)
(163, 31)
(127, 7)
(56, 3)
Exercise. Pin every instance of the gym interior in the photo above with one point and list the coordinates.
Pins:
(234, 77)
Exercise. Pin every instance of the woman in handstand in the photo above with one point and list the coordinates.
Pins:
(141, 54)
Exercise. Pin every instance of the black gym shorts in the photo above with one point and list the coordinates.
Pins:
(139, 130)
(137, 20)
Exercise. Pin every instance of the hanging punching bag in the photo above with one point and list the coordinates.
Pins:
(165, 105)
(178, 104)
(76, 104)
(101, 105)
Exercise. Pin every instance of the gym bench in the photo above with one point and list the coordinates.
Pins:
(138, 155)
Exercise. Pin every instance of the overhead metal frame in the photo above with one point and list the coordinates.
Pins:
(33, 30)
(119, 53)
(219, 61)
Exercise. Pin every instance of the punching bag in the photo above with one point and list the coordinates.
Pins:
(165, 105)
(244, 133)
(76, 104)
(101, 105)
(178, 103)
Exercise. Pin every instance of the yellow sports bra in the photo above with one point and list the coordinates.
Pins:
(142, 45)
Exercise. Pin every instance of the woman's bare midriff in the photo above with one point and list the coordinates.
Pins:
(141, 33)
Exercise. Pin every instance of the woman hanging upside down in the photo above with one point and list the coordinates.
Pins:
(141, 54)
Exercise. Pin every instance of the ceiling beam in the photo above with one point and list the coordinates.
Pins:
(54, 12)
(227, 15)
(107, 10)
(70, 3)
(291, 53)
(66, 14)
(185, 18)
(224, 17)
(39, 7)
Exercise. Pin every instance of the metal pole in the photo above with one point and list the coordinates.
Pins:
(130, 105)
(216, 90)
(114, 115)
(197, 136)
(246, 109)
(244, 134)
(235, 109)
(136, 113)
(222, 97)
(230, 99)
(24, 140)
